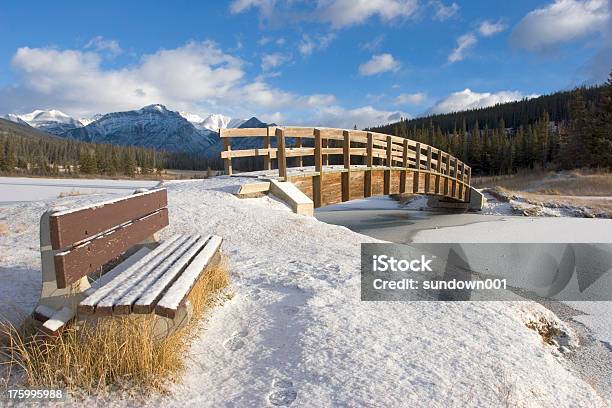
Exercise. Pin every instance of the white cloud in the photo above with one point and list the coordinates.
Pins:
(197, 76)
(337, 13)
(410, 98)
(265, 6)
(342, 13)
(274, 60)
(379, 63)
(468, 99)
(463, 44)
(101, 44)
(561, 21)
(367, 116)
(488, 28)
(373, 44)
(310, 44)
(444, 12)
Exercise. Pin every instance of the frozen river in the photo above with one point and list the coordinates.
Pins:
(19, 189)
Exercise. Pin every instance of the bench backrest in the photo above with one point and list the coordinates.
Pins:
(91, 236)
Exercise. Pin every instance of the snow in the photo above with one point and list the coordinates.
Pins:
(295, 331)
(15, 189)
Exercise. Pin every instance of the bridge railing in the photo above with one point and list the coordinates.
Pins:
(377, 150)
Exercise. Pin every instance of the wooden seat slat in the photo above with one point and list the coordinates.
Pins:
(124, 303)
(155, 290)
(151, 260)
(176, 294)
(108, 304)
(68, 227)
(86, 258)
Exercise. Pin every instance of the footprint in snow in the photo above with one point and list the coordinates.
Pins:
(235, 342)
(283, 393)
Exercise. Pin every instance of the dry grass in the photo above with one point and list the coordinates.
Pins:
(4, 229)
(71, 193)
(572, 183)
(119, 353)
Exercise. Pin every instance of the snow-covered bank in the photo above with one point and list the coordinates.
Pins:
(296, 331)
(16, 189)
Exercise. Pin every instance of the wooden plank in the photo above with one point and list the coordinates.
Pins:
(369, 163)
(266, 144)
(405, 166)
(242, 132)
(155, 288)
(293, 131)
(227, 163)
(280, 153)
(357, 182)
(318, 158)
(114, 303)
(324, 153)
(178, 292)
(417, 160)
(331, 189)
(388, 163)
(438, 170)
(86, 258)
(298, 144)
(144, 264)
(346, 157)
(247, 153)
(73, 226)
(428, 168)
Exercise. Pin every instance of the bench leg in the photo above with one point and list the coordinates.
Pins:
(55, 304)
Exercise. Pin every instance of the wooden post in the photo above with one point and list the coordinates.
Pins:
(267, 159)
(387, 186)
(326, 156)
(438, 171)
(454, 178)
(469, 185)
(460, 178)
(227, 163)
(446, 173)
(369, 164)
(418, 167)
(317, 180)
(298, 144)
(405, 166)
(428, 168)
(346, 176)
(281, 154)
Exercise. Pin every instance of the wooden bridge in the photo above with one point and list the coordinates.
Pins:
(351, 164)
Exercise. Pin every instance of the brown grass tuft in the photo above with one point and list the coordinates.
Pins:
(118, 353)
(4, 229)
(71, 193)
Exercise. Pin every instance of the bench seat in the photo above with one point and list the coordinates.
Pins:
(159, 282)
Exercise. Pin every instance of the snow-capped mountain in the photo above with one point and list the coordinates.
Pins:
(152, 126)
(51, 121)
(212, 122)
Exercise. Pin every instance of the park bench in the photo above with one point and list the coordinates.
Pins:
(118, 241)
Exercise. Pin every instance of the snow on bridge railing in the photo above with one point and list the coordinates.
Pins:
(374, 149)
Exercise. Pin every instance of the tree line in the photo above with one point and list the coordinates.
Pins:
(564, 130)
(27, 151)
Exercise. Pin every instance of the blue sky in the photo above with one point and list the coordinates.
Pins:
(318, 62)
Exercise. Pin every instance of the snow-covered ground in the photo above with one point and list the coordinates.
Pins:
(14, 189)
(295, 331)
